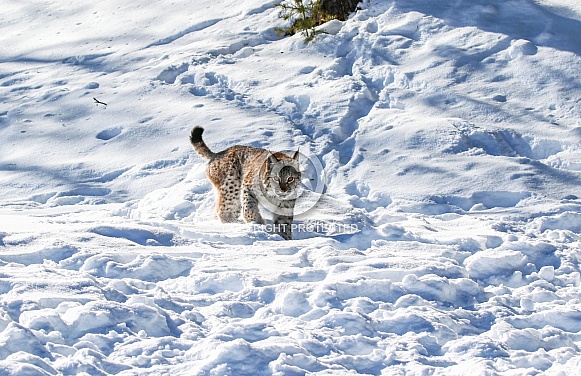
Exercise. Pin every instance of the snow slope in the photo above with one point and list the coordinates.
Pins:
(446, 241)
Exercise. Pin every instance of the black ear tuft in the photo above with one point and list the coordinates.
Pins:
(272, 159)
(296, 155)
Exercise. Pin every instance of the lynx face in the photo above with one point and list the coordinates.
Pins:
(283, 180)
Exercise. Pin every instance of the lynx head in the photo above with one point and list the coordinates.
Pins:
(283, 176)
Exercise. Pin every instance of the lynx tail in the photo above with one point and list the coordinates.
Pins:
(199, 144)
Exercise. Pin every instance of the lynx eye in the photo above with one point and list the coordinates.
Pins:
(276, 179)
(290, 179)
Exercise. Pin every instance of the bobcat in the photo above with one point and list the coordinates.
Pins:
(245, 176)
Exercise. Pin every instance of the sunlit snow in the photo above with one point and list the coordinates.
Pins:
(446, 240)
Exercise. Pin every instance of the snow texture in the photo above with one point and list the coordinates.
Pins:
(447, 239)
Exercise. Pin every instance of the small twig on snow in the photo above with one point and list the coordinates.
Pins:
(98, 102)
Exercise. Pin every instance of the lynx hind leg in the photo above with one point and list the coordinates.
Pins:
(228, 206)
(228, 198)
(250, 209)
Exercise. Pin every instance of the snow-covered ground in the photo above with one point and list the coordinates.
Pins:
(447, 239)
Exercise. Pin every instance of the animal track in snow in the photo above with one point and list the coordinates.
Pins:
(170, 74)
(110, 133)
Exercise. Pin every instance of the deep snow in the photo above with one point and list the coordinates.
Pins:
(446, 240)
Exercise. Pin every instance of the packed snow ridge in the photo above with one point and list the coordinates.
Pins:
(446, 240)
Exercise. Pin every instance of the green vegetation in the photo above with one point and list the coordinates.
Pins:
(306, 15)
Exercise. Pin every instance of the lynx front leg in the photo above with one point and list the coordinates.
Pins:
(250, 210)
(283, 226)
(283, 220)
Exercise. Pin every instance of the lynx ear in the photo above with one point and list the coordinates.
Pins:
(296, 155)
(272, 159)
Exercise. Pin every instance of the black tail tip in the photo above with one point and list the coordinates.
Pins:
(196, 135)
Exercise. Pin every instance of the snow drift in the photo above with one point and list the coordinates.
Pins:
(446, 240)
